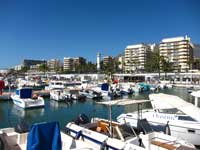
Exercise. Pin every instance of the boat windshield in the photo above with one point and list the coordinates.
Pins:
(181, 115)
(121, 132)
(186, 118)
(171, 111)
(127, 131)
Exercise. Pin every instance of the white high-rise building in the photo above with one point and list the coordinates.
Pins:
(178, 51)
(135, 57)
(54, 64)
(68, 64)
(107, 59)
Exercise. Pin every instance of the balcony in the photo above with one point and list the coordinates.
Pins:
(182, 50)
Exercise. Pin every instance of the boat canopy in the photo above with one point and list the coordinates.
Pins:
(24, 92)
(122, 102)
(44, 136)
(165, 101)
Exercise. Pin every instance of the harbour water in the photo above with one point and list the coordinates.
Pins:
(11, 115)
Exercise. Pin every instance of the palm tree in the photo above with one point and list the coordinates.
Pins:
(166, 65)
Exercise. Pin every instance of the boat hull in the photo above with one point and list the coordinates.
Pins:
(57, 97)
(27, 103)
(185, 130)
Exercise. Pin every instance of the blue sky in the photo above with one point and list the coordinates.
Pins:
(45, 29)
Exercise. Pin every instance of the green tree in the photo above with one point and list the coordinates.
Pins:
(109, 68)
(25, 69)
(153, 62)
(190, 63)
(89, 67)
(166, 65)
(43, 67)
(196, 64)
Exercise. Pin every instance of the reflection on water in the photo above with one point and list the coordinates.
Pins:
(62, 112)
(54, 105)
(31, 113)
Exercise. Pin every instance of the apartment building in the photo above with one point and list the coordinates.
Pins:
(79, 60)
(68, 64)
(53, 64)
(31, 62)
(178, 51)
(135, 57)
(107, 59)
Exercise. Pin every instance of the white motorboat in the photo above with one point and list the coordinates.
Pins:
(12, 139)
(56, 84)
(23, 98)
(105, 135)
(74, 95)
(57, 94)
(183, 117)
(90, 94)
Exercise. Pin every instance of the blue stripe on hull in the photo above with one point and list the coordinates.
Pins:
(93, 140)
(17, 101)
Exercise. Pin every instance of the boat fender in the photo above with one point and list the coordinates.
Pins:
(78, 135)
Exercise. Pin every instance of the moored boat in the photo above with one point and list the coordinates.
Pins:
(182, 117)
(40, 136)
(24, 98)
(57, 95)
(112, 135)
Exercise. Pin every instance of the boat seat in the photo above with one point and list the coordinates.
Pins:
(8, 143)
(163, 145)
(98, 129)
(91, 126)
(102, 127)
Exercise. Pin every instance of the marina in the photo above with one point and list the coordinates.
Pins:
(64, 113)
(100, 75)
(65, 99)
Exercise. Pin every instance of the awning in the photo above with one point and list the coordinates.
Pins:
(123, 102)
(165, 101)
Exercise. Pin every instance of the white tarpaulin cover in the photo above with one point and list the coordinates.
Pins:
(165, 101)
(123, 102)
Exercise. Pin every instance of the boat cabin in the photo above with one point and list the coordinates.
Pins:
(24, 93)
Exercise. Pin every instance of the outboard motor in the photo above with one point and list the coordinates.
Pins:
(82, 119)
(22, 127)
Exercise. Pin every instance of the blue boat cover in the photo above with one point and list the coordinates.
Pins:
(105, 87)
(25, 93)
(17, 92)
(44, 136)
